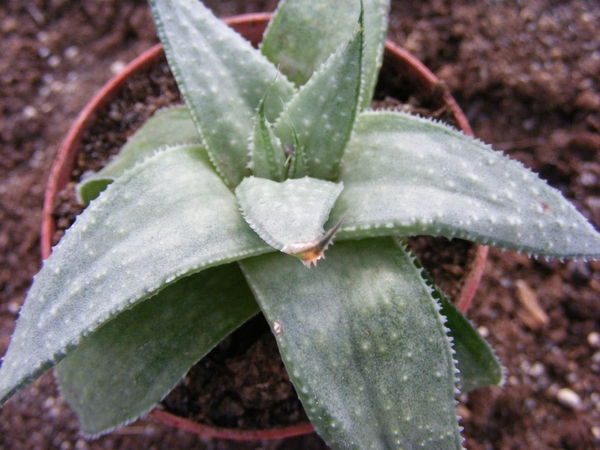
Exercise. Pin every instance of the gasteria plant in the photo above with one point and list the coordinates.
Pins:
(204, 214)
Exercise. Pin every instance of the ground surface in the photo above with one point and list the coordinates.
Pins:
(527, 74)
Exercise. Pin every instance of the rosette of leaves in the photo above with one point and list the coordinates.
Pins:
(209, 208)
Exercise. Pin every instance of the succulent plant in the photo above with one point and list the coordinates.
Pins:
(205, 216)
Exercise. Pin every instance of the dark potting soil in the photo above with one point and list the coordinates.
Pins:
(242, 384)
(528, 75)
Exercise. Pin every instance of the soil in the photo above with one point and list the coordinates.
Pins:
(241, 384)
(528, 75)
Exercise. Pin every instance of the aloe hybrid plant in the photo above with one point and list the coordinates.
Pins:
(209, 211)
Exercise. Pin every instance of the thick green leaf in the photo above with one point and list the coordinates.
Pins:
(303, 33)
(169, 216)
(267, 159)
(297, 159)
(477, 364)
(323, 111)
(122, 370)
(404, 175)
(287, 213)
(167, 127)
(476, 361)
(222, 78)
(364, 344)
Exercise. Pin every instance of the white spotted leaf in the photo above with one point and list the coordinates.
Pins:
(166, 218)
(364, 344)
(404, 175)
(222, 79)
(323, 111)
(122, 370)
(303, 33)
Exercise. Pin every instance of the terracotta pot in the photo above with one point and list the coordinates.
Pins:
(251, 26)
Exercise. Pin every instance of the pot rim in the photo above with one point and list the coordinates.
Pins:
(252, 27)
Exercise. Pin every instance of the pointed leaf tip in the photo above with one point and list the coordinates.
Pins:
(267, 157)
(304, 33)
(323, 111)
(289, 214)
(222, 79)
(311, 252)
(406, 175)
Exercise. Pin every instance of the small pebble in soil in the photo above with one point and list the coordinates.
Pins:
(54, 61)
(594, 339)
(13, 307)
(29, 112)
(117, 67)
(537, 369)
(588, 179)
(569, 398)
(49, 402)
(81, 445)
(42, 36)
(43, 52)
(57, 86)
(71, 52)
